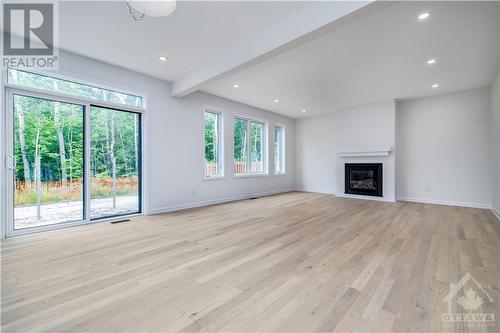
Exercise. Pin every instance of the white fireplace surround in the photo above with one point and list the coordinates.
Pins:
(365, 151)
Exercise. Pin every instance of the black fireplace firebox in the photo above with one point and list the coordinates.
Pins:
(363, 179)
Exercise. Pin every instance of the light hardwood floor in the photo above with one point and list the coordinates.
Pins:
(295, 262)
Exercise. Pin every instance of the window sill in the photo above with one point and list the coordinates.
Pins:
(251, 175)
(280, 174)
(214, 178)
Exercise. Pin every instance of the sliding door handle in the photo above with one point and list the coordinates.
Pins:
(11, 162)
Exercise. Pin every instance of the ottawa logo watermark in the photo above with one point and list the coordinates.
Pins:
(471, 300)
(30, 32)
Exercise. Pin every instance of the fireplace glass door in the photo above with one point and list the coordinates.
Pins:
(363, 179)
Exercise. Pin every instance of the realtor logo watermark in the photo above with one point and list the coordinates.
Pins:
(30, 31)
(469, 296)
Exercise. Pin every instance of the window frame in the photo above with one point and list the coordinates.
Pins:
(140, 175)
(282, 154)
(220, 143)
(265, 168)
(9, 89)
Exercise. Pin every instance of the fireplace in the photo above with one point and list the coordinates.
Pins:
(363, 179)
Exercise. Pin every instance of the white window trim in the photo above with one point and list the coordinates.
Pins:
(265, 146)
(220, 112)
(7, 89)
(281, 172)
(251, 175)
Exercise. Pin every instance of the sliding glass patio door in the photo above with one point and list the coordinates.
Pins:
(69, 163)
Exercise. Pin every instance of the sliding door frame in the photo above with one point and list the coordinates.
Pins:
(139, 171)
(7, 204)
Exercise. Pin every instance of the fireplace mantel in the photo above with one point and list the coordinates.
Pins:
(365, 152)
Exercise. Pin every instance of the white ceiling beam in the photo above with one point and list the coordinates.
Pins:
(279, 37)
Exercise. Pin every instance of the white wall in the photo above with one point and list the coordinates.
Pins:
(174, 139)
(495, 98)
(315, 154)
(444, 150)
(319, 139)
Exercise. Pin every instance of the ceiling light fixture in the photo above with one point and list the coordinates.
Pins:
(162, 58)
(431, 61)
(424, 16)
(157, 8)
(236, 85)
(304, 111)
(276, 101)
(435, 85)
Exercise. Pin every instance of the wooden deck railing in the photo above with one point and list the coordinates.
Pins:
(239, 167)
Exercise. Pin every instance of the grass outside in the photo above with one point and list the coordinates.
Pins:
(54, 192)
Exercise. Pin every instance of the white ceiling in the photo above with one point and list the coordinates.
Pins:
(377, 53)
(378, 56)
(195, 33)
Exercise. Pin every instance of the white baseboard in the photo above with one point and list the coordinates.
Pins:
(446, 203)
(215, 201)
(496, 213)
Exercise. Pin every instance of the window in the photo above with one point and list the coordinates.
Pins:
(39, 81)
(213, 145)
(249, 146)
(257, 147)
(279, 149)
(240, 145)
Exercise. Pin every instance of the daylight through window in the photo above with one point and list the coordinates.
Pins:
(249, 146)
(279, 160)
(39, 81)
(213, 156)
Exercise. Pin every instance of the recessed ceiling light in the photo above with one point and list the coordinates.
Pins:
(236, 85)
(276, 101)
(424, 16)
(435, 85)
(304, 111)
(162, 58)
(431, 61)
